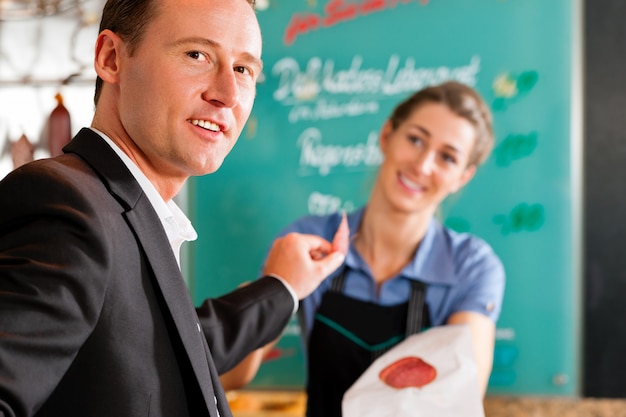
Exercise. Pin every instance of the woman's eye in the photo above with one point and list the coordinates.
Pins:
(416, 140)
(450, 159)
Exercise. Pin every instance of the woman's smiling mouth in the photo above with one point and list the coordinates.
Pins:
(411, 185)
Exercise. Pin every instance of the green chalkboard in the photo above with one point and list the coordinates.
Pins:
(333, 72)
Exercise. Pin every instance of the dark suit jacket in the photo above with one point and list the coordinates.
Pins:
(95, 318)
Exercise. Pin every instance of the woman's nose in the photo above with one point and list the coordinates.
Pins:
(425, 162)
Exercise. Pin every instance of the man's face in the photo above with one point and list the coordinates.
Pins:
(187, 91)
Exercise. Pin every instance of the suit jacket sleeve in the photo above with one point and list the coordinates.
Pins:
(244, 320)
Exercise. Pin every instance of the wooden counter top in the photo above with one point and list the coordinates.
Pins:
(292, 403)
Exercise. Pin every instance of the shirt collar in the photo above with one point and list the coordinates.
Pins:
(177, 226)
(433, 263)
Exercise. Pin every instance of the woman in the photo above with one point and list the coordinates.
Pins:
(404, 270)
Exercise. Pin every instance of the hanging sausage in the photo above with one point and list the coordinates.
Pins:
(59, 127)
(22, 151)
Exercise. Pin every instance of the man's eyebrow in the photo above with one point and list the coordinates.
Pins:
(208, 42)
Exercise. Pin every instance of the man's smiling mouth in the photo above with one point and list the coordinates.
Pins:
(205, 124)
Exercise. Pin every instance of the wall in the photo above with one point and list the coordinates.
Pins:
(605, 199)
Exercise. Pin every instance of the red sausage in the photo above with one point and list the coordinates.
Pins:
(59, 127)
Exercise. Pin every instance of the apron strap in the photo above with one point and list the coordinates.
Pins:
(415, 315)
(339, 281)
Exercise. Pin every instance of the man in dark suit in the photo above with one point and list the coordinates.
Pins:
(95, 318)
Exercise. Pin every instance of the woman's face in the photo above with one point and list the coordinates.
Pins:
(425, 158)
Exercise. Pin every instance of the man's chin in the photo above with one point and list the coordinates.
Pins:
(211, 168)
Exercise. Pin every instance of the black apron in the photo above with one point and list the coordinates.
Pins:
(348, 335)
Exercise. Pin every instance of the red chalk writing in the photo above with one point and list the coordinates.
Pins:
(335, 12)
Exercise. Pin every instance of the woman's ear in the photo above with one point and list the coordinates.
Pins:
(385, 135)
(107, 58)
(466, 176)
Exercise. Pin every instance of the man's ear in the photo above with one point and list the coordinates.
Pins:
(109, 48)
(467, 175)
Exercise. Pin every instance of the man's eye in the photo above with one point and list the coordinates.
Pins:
(243, 70)
(196, 55)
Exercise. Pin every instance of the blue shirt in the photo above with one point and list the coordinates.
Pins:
(461, 271)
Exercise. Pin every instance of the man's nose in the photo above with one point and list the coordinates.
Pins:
(224, 90)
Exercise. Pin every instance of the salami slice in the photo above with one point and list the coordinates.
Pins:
(409, 371)
(22, 151)
(341, 240)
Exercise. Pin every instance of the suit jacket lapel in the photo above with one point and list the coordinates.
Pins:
(159, 253)
(151, 236)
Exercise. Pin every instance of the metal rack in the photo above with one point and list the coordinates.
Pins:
(81, 14)
(75, 79)
(28, 9)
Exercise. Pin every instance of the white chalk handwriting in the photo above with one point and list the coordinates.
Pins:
(321, 78)
(316, 156)
(322, 204)
(325, 110)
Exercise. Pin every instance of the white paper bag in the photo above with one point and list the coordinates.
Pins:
(453, 392)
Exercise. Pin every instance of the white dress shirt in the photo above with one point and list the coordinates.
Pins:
(177, 226)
